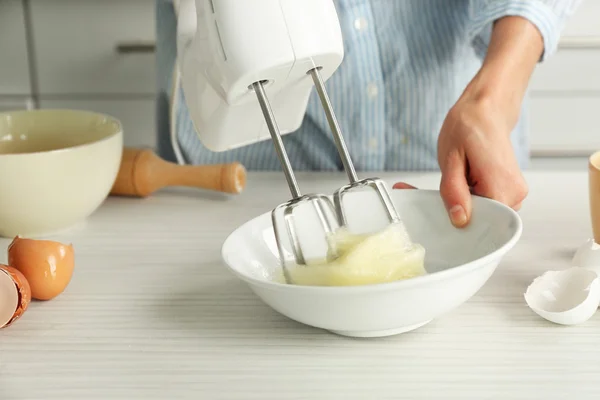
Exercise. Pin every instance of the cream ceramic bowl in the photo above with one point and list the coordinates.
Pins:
(56, 168)
(458, 261)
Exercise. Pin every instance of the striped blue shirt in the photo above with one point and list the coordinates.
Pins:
(406, 63)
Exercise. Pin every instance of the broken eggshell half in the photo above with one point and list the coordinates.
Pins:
(588, 256)
(567, 297)
(15, 295)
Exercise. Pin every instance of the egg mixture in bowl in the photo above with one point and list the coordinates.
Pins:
(442, 267)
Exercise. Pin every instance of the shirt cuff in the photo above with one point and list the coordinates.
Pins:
(548, 16)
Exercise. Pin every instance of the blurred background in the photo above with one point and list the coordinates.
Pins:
(99, 55)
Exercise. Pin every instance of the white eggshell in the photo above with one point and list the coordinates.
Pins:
(566, 297)
(588, 256)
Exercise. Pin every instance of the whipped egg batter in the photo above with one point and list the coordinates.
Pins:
(386, 256)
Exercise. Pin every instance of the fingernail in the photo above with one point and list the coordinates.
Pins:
(458, 215)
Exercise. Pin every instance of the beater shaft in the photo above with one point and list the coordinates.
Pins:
(277, 142)
(373, 183)
(283, 215)
(334, 126)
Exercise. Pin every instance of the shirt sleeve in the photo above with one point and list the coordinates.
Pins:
(549, 16)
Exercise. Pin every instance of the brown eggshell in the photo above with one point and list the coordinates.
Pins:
(22, 291)
(47, 265)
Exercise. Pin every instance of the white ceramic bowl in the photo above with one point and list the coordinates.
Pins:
(458, 261)
(56, 168)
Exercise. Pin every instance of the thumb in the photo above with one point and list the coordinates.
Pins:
(454, 189)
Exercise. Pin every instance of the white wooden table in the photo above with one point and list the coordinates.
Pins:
(151, 313)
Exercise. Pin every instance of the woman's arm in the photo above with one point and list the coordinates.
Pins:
(515, 48)
(548, 16)
(474, 148)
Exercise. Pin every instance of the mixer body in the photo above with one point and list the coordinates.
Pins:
(225, 46)
(247, 68)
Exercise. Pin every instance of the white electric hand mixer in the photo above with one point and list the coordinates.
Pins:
(233, 56)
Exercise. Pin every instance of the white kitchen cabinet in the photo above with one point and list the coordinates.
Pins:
(576, 64)
(14, 67)
(559, 163)
(585, 20)
(76, 46)
(569, 70)
(565, 90)
(565, 125)
(137, 116)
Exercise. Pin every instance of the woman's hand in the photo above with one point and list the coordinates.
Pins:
(475, 153)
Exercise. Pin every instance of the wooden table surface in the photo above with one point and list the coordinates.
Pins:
(151, 313)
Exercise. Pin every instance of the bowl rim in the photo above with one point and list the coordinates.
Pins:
(395, 285)
(117, 132)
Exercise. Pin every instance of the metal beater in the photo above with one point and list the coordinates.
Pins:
(374, 183)
(286, 229)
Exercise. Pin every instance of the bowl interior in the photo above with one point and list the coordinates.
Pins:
(50, 130)
(251, 250)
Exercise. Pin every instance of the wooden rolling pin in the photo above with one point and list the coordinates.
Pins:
(143, 172)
